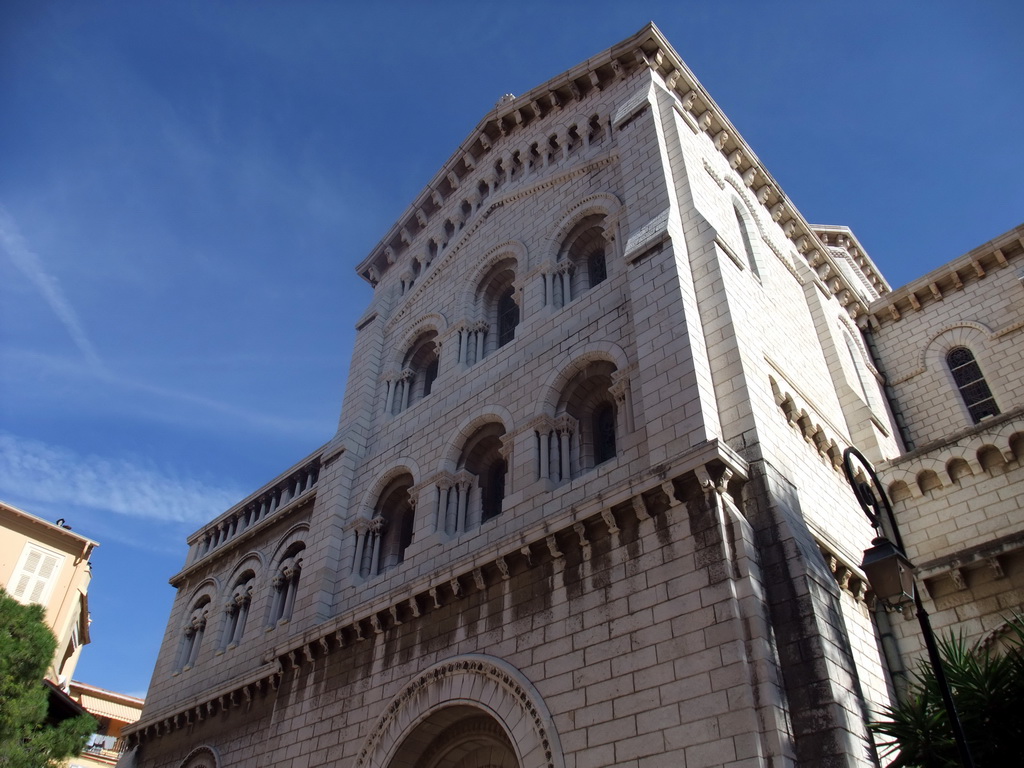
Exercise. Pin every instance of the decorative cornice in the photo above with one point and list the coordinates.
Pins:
(546, 542)
(950, 278)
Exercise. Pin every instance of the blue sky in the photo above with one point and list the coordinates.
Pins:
(186, 188)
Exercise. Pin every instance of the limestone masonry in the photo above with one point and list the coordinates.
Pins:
(585, 505)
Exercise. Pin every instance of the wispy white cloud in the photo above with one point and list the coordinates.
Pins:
(49, 475)
(29, 263)
(143, 399)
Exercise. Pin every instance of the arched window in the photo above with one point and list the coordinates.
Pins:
(478, 492)
(969, 380)
(492, 489)
(582, 261)
(496, 302)
(748, 246)
(868, 388)
(192, 636)
(285, 584)
(419, 371)
(508, 317)
(603, 429)
(237, 610)
(585, 431)
(395, 508)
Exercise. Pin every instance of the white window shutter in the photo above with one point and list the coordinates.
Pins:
(36, 575)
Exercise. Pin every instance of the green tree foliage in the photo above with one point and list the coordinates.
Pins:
(988, 688)
(26, 647)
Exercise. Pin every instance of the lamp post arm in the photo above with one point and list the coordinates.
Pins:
(872, 500)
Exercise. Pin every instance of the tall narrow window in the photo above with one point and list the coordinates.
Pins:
(192, 638)
(497, 313)
(484, 474)
(492, 490)
(971, 383)
(429, 376)
(855, 358)
(748, 247)
(582, 260)
(237, 610)
(597, 270)
(604, 433)
(508, 317)
(286, 585)
(587, 422)
(397, 513)
(419, 370)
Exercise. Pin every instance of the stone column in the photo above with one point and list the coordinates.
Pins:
(544, 441)
(406, 381)
(481, 331)
(463, 485)
(198, 629)
(361, 529)
(239, 608)
(549, 287)
(623, 403)
(442, 487)
(506, 451)
(389, 401)
(565, 269)
(566, 428)
(377, 528)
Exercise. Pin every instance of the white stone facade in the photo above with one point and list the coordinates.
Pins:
(585, 504)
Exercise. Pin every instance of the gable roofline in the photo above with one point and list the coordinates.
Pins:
(649, 49)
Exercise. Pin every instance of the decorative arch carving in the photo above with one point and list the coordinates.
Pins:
(466, 429)
(211, 587)
(484, 682)
(972, 335)
(992, 639)
(297, 534)
(435, 322)
(510, 250)
(558, 380)
(202, 757)
(402, 466)
(253, 561)
(603, 203)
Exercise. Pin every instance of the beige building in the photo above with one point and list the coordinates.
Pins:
(585, 504)
(950, 345)
(48, 564)
(113, 711)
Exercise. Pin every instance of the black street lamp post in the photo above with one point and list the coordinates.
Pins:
(891, 576)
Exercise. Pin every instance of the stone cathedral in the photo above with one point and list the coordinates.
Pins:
(585, 504)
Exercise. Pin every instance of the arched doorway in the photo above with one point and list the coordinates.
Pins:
(471, 711)
(456, 737)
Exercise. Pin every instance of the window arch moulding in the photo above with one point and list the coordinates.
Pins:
(977, 393)
(202, 757)
(199, 615)
(384, 526)
(285, 574)
(490, 684)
